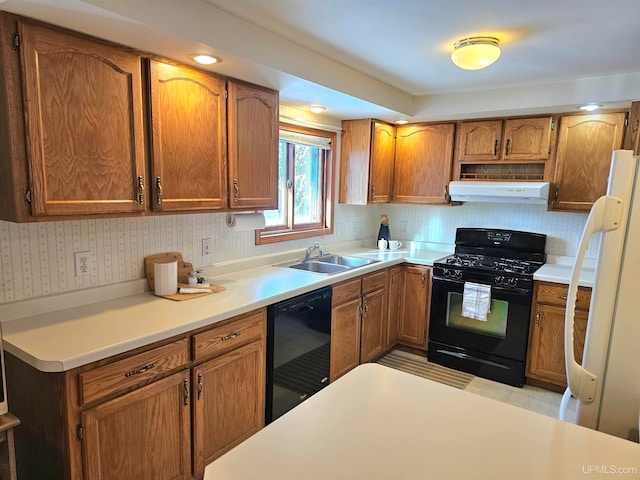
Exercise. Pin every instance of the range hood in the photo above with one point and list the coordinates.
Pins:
(500, 192)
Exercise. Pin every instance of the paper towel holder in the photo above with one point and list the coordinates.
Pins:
(230, 219)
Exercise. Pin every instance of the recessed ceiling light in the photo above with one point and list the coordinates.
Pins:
(317, 108)
(590, 107)
(474, 53)
(402, 122)
(204, 59)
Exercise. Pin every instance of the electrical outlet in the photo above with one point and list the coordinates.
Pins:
(206, 246)
(82, 263)
(403, 226)
(354, 227)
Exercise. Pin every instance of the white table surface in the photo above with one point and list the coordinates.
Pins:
(380, 423)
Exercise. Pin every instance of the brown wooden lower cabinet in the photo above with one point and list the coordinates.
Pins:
(414, 318)
(396, 291)
(358, 320)
(144, 434)
(228, 402)
(545, 358)
(205, 387)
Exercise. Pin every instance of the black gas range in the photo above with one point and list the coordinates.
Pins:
(481, 302)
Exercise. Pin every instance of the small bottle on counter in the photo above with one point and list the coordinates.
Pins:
(192, 278)
(384, 233)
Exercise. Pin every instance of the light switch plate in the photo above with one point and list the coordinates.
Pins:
(206, 246)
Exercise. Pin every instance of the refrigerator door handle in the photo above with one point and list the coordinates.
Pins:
(606, 214)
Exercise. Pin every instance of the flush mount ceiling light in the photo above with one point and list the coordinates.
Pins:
(402, 122)
(204, 59)
(474, 53)
(317, 108)
(590, 107)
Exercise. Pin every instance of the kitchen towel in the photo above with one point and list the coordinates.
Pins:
(165, 278)
(245, 221)
(476, 301)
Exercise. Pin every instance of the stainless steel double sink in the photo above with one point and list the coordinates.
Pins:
(328, 264)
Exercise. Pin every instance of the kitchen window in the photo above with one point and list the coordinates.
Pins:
(305, 186)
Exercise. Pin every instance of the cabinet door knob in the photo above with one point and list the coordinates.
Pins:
(236, 190)
(200, 386)
(508, 147)
(537, 317)
(373, 190)
(185, 386)
(158, 191)
(140, 190)
(423, 279)
(495, 148)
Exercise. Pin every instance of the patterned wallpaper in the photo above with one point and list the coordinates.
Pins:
(37, 259)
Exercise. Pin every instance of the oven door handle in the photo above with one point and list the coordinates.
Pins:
(496, 288)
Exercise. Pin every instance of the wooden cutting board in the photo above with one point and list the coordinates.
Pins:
(179, 297)
(183, 267)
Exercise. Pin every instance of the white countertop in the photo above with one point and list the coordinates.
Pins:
(380, 423)
(60, 340)
(561, 273)
(64, 339)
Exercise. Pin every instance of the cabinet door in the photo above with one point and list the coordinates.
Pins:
(585, 145)
(480, 141)
(423, 163)
(374, 319)
(345, 337)
(396, 289)
(144, 434)
(229, 402)
(188, 122)
(382, 153)
(632, 135)
(83, 104)
(546, 348)
(527, 139)
(253, 146)
(415, 321)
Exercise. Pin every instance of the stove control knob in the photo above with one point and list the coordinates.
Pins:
(458, 274)
(498, 280)
(446, 272)
(513, 282)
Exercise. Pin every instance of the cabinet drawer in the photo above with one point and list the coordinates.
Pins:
(226, 337)
(557, 295)
(346, 291)
(135, 370)
(374, 281)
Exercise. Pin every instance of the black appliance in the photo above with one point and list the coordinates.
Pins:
(298, 350)
(504, 261)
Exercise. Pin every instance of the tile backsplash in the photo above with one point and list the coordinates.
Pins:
(37, 259)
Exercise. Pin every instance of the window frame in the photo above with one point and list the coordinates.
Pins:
(325, 226)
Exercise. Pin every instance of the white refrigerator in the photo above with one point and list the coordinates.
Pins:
(607, 384)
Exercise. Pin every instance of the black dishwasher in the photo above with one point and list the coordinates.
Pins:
(298, 350)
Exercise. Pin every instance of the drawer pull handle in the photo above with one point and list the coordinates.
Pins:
(140, 370)
(562, 297)
(231, 336)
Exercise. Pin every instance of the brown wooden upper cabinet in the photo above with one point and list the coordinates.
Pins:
(189, 138)
(84, 125)
(516, 139)
(632, 135)
(253, 146)
(585, 145)
(424, 154)
(366, 166)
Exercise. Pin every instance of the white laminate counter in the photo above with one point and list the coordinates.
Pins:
(561, 273)
(64, 339)
(380, 423)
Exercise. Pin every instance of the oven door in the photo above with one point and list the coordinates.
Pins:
(504, 333)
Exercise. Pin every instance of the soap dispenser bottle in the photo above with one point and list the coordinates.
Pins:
(384, 232)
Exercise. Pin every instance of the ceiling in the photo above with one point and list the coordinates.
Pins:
(389, 60)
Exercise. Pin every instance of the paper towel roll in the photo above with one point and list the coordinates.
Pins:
(245, 221)
(165, 278)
